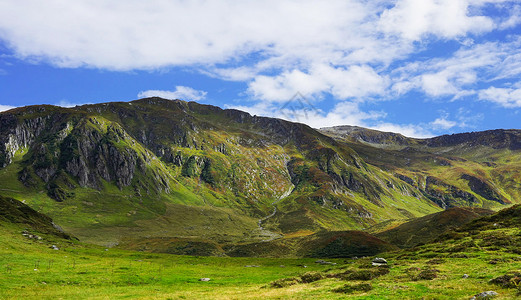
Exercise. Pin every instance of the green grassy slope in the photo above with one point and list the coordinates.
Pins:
(479, 169)
(152, 168)
(486, 250)
(425, 229)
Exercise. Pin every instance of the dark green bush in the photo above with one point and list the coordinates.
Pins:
(285, 282)
(311, 277)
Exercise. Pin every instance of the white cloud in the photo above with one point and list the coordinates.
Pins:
(353, 82)
(153, 34)
(67, 103)
(412, 19)
(437, 84)
(506, 97)
(142, 35)
(353, 50)
(233, 74)
(443, 123)
(343, 113)
(6, 107)
(513, 20)
(180, 92)
(409, 130)
(457, 75)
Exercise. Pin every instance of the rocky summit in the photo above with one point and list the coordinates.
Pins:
(182, 176)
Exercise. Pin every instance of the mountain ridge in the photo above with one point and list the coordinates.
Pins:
(105, 170)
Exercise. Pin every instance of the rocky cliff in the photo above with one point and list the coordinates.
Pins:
(156, 167)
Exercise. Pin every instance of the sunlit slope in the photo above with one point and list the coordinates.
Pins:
(149, 167)
(472, 169)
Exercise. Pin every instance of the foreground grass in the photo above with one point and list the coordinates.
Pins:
(30, 269)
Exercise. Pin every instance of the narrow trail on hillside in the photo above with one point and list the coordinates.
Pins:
(270, 234)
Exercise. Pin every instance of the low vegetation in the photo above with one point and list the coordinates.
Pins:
(480, 256)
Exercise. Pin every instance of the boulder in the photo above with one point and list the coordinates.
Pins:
(484, 295)
(378, 261)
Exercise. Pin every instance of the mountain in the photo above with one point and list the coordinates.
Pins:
(468, 169)
(157, 170)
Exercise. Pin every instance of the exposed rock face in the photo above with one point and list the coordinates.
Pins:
(17, 135)
(62, 146)
(202, 154)
(445, 197)
(88, 157)
(510, 139)
(481, 188)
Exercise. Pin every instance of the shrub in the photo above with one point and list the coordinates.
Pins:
(429, 274)
(512, 280)
(422, 274)
(285, 282)
(311, 277)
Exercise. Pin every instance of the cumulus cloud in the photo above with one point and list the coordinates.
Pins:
(412, 19)
(180, 92)
(443, 123)
(506, 97)
(145, 35)
(343, 83)
(351, 50)
(6, 107)
(142, 35)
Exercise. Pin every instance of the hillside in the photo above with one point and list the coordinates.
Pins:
(16, 216)
(104, 171)
(156, 169)
(483, 255)
(468, 169)
(425, 229)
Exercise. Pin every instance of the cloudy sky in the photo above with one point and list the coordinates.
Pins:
(418, 67)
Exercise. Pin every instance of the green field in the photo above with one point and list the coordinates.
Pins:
(30, 269)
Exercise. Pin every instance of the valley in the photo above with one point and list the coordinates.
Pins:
(142, 199)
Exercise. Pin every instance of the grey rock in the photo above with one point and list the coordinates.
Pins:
(379, 261)
(204, 279)
(485, 295)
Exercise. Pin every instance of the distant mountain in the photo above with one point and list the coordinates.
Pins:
(468, 169)
(156, 168)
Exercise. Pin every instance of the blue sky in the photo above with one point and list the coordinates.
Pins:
(418, 67)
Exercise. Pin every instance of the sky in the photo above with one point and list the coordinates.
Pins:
(417, 67)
